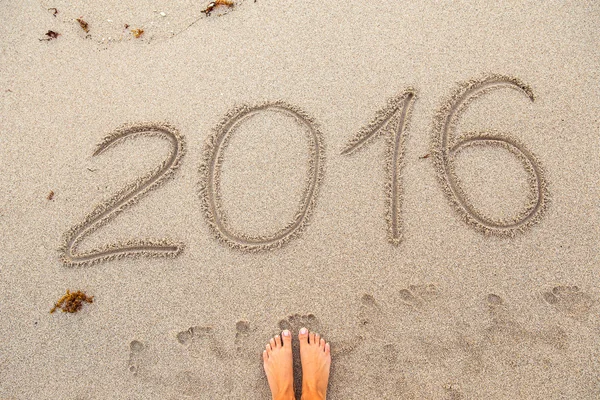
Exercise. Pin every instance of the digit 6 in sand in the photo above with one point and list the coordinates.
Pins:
(446, 147)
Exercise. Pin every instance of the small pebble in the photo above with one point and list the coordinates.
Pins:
(109, 20)
(163, 14)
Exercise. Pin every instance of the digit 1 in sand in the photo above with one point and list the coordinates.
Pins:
(392, 120)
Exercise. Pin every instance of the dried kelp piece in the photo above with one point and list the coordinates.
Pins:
(84, 25)
(210, 175)
(72, 302)
(51, 35)
(137, 32)
(50, 195)
(126, 197)
(214, 4)
(392, 120)
(446, 145)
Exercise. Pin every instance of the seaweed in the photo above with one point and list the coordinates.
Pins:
(72, 302)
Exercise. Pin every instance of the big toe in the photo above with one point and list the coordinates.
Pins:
(303, 337)
(287, 338)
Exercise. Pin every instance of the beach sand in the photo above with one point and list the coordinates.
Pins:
(453, 253)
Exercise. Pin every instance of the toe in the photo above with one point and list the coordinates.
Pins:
(273, 344)
(265, 356)
(327, 349)
(268, 348)
(287, 338)
(317, 339)
(322, 344)
(311, 338)
(303, 336)
(277, 340)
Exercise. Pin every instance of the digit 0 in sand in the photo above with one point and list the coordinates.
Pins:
(210, 172)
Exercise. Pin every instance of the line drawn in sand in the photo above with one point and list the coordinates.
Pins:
(210, 171)
(446, 146)
(126, 197)
(393, 121)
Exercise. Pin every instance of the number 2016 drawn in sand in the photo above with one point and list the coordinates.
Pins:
(446, 147)
(210, 171)
(392, 120)
(124, 198)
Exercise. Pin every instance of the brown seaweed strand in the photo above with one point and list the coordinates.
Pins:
(210, 175)
(126, 197)
(446, 146)
(394, 120)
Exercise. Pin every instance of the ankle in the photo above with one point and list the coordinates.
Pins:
(312, 395)
(287, 395)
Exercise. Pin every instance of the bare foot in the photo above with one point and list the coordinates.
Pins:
(277, 360)
(315, 356)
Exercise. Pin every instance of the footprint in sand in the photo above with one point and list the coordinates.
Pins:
(387, 380)
(202, 345)
(136, 353)
(390, 353)
(370, 319)
(510, 336)
(243, 346)
(370, 311)
(145, 365)
(569, 300)
(506, 341)
(197, 384)
(201, 342)
(242, 330)
(418, 297)
(453, 392)
(294, 322)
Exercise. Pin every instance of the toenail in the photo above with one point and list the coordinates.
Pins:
(303, 331)
(286, 333)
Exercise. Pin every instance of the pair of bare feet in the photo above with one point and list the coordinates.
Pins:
(315, 356)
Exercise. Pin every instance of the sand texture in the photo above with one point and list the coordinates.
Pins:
(417, 181)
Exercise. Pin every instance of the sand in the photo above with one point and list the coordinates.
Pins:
(417, 181)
